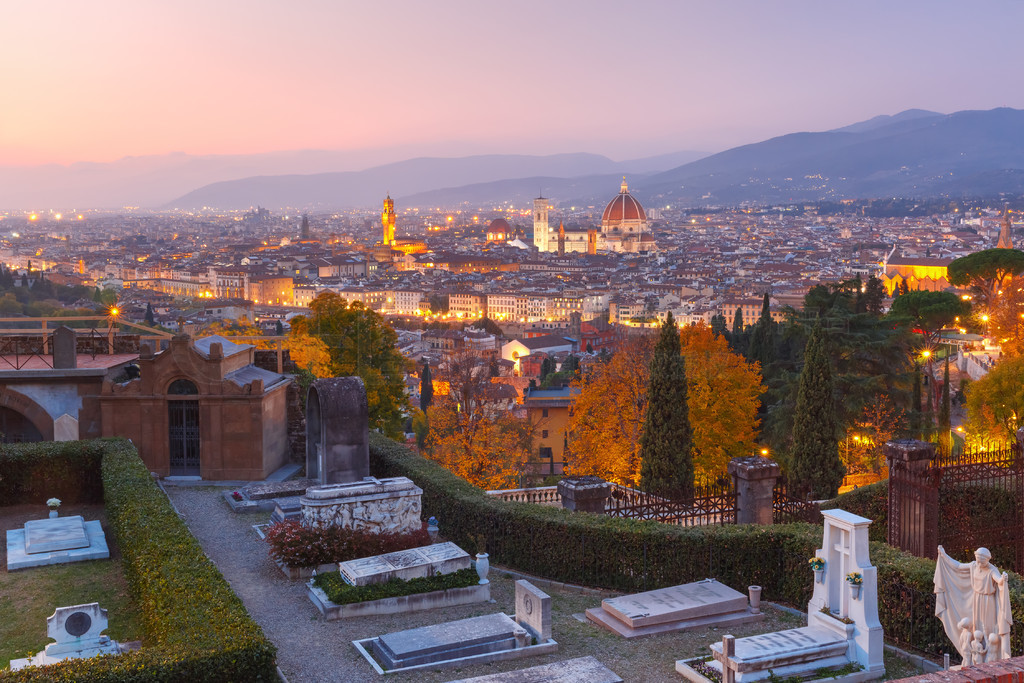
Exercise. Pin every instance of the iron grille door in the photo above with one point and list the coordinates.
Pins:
(183, 425)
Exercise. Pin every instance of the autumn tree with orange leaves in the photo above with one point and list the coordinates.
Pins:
(608, 414)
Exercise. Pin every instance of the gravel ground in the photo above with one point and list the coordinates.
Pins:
(312, 649)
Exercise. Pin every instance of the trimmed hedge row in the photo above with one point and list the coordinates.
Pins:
(341, 593)
(871, 501)
(33, 473)
(628, 555)
(195, 627)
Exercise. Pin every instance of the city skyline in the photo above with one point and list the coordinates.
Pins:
(114, 79)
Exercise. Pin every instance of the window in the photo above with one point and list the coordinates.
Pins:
(544, 434)
(544, 413)
(182, 387)
(545, 452)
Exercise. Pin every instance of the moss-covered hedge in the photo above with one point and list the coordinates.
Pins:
(341, 593)
(196, 628)
(634, 556)
(33, 473)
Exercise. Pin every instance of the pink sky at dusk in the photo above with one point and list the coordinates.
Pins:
(101, 80)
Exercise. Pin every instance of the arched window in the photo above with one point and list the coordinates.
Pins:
(182, 387)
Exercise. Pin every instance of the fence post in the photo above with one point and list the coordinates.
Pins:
(913, 521)
(755, 481)
(584, 494)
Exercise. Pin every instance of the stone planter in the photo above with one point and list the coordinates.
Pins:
(405, 603)
(755, 599)
(54, 514)
(483, 566)
(855, 590)
(305, 572)
(819, 575)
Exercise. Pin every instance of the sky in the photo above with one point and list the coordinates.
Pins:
(102, 80)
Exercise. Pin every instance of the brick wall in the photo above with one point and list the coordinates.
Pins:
(1002, 671)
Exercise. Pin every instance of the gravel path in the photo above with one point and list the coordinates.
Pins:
(312, 649)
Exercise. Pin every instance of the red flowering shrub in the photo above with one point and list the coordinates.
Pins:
(299, 546)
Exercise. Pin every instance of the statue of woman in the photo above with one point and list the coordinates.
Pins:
(975, 591)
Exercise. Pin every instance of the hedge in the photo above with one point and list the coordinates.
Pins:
(195, 627)
(871, 501)
(33, 473)
(341, 593)
(631, 556)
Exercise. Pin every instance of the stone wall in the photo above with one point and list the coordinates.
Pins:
(296, 424)
(1003, 671)
(85, 343)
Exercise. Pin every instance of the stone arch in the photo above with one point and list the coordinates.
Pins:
(29, 409)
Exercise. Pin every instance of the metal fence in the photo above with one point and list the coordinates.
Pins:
(708, 505)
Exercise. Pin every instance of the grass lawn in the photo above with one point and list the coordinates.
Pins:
(29, 596)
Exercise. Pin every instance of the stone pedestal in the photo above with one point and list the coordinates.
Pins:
(913, 454)
(584, 494)
(371, 504)
(917, 530)
(755, 481)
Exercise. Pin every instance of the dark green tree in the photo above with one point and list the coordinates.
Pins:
(149, 314)
(488, 326)
(666, 442)
(547, 366)
(718, 325)
(426, 388)
(762, 341)
(737, 322)
(590, 348)
(944, 411)
(279, 328)
(928, 311)
(986, 272)
(874, 296)
(815, 460)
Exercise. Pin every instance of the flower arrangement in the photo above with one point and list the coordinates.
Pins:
(236, 495)
(53, 503)
(817, 564)
(855, 578)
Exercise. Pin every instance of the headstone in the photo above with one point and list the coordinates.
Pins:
(781, 649)
(372, 504)
(59, 533)
(440, 558)
(65, 428)
(337, 430)
(65, 348)
(450, 640)
(677, 608)
(55, 541)
(533, 610)
(78, 632)
(578, 670)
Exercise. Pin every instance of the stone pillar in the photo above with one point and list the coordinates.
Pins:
(755, 484)
(913, 455)
(65, 352)
(584, 494)
(913, 505)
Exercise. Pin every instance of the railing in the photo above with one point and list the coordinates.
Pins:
(792, 506)
(708, 505)
(542, 495)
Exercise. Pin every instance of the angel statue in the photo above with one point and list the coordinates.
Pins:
(973, 597)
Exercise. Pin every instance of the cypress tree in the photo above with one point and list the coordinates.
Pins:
(737, 323)
(944, 410)
(718, 324)
(816, 462)
(915, 409)
(149, 314)
(666, 442)
(426, 388)
(762, 342)
(279, 328)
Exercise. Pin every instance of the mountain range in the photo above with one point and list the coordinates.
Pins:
(915, 153)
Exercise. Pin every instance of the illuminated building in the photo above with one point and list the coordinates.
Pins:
(624, 225)
(387, 221)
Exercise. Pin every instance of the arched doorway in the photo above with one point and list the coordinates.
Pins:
(16, 428)
(183, 427)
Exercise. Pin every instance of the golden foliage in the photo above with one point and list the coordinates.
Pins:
(309, 353)
(237, 328)
(995, 403)
(608, 414)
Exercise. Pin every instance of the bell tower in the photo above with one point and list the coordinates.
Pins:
(387, 221)
(541, 231)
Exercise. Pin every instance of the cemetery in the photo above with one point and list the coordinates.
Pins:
(576, 594)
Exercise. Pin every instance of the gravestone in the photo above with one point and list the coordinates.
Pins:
(440, 558)
(578, 670)
(65, 348)
(372, 504)
(65, 428)
(677, 608)
(533, 610)
(78, 632)
(337, 431)
(55, 541)
(451, 640)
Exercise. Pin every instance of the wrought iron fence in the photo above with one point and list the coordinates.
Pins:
(790, 504)
(715, 504)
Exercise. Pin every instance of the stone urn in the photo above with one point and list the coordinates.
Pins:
(54, 514)
(755, 599)
(483, 566)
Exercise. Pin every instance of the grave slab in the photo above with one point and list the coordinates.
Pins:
(780, 649)
(678, 608)
(579, 670)
(263, 490)
(286, 508)
(78, 632)
(440, 558)
(454, 639)
(59, 533)
(17, 558)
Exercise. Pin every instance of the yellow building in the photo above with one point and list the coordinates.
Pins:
(548, 410)
(919, 273)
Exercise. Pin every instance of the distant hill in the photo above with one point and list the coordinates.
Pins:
(921, 155)
(885, 119)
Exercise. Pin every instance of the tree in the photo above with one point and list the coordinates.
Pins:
(762, 341)
(471, 431)
(718, 324)
(279, 328)
(929, 311)
(986, 272)
(879, 422)
(1006, 319)
(944, 411)
(149, 314)
(874, 296)
(815, 459)
(547, 366)
(995, 403)
(666, 464)
(237, 328)
(723, 396)
(606, 416)
(359, 343)
(488, 326)
(737, 322)
(426, 388)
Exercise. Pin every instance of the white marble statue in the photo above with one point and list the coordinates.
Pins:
(973, 597)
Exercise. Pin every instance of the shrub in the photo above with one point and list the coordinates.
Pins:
(196, 628)
(871, 501)
(341, 593)
(629, 555)
(69, 470)
(299, 546)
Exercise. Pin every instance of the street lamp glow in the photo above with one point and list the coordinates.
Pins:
(114, 311)
(926, 353)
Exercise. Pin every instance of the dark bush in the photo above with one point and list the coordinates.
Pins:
(33, 473)
(341, 593)
(299, 546)
(871, 501)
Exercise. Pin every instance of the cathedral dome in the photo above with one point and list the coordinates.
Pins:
(499, 225)
(623, 207)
